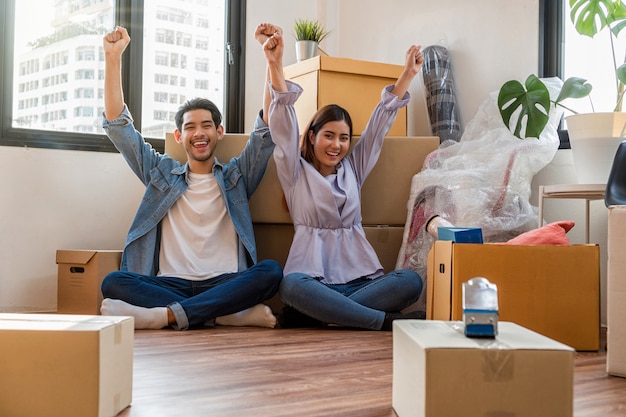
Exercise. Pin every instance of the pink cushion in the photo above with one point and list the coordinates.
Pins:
(550, 234)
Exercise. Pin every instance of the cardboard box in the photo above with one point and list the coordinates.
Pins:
(381, 204)
(80, 278)
(616, 292)
(332, 80)
(553, 290)
(58, 365)
(267, 204)
(438, 372)
(274, 241)
(386, 241)
(385, 193)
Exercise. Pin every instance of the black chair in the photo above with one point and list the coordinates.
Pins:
(615, 194)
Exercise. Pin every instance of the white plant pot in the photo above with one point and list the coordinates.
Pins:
(305, 50)
(594, 138)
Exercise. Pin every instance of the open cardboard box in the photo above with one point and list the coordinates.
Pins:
(80, 275)
(553, 290)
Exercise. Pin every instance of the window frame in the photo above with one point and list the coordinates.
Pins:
(133, 60)
(551, 52)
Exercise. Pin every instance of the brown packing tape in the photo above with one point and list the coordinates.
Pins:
(498, 358)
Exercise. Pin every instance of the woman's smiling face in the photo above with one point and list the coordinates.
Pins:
(330, 146)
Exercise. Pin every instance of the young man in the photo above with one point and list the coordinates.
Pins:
(190, 255)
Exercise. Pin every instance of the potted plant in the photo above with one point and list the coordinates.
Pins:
(592, 16)
(308, 33)
(594, 137)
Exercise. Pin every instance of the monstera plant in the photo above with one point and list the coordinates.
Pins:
(590, 17)
(525, 108)
(593, 137)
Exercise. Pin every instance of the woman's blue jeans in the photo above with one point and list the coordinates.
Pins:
(360, 303)
(197, 302)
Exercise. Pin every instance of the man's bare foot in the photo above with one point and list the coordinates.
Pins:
(260, 315)
(145, 318)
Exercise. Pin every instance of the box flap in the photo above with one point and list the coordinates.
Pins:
(81, 257)
(347, 65)
(435, 334)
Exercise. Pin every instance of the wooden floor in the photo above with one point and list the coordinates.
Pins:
(236, 372)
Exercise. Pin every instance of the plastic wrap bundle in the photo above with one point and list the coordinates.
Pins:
(440, 96)
(484, 180)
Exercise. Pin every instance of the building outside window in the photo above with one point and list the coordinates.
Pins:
(58, 62)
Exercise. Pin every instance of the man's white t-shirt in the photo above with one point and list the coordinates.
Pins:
(198, 238)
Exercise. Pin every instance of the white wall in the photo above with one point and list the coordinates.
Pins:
(53, 199)
(487, 46)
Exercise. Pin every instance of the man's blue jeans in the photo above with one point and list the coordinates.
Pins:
(360, 303)
(197, 302)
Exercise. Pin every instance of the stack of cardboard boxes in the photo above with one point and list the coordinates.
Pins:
(384, 197)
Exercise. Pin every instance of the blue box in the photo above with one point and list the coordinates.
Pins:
(461, 234)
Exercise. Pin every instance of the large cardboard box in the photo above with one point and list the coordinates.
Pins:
(385, 193)
(553, 290)
(80, 275)
(267, 204)
(438, 372)
(616, 292)
(332, 80)
(58, 365)
(274, 241)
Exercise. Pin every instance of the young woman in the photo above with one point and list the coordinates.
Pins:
(332, 273)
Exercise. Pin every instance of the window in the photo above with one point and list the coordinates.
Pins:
(592, 59)
(85, 54)
(53, 67)
(565, 53)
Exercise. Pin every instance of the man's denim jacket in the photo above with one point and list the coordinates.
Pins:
(165, 180)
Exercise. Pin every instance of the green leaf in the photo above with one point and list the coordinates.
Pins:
(310, 30)
(591, 16)
(621, 73)
(574, 87)
(618, 28)
(532, 104)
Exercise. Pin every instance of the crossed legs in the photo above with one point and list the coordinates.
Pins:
(230, 299)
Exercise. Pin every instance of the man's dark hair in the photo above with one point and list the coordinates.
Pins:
(197, 104)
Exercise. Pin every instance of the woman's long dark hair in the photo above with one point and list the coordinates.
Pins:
(328, 113)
